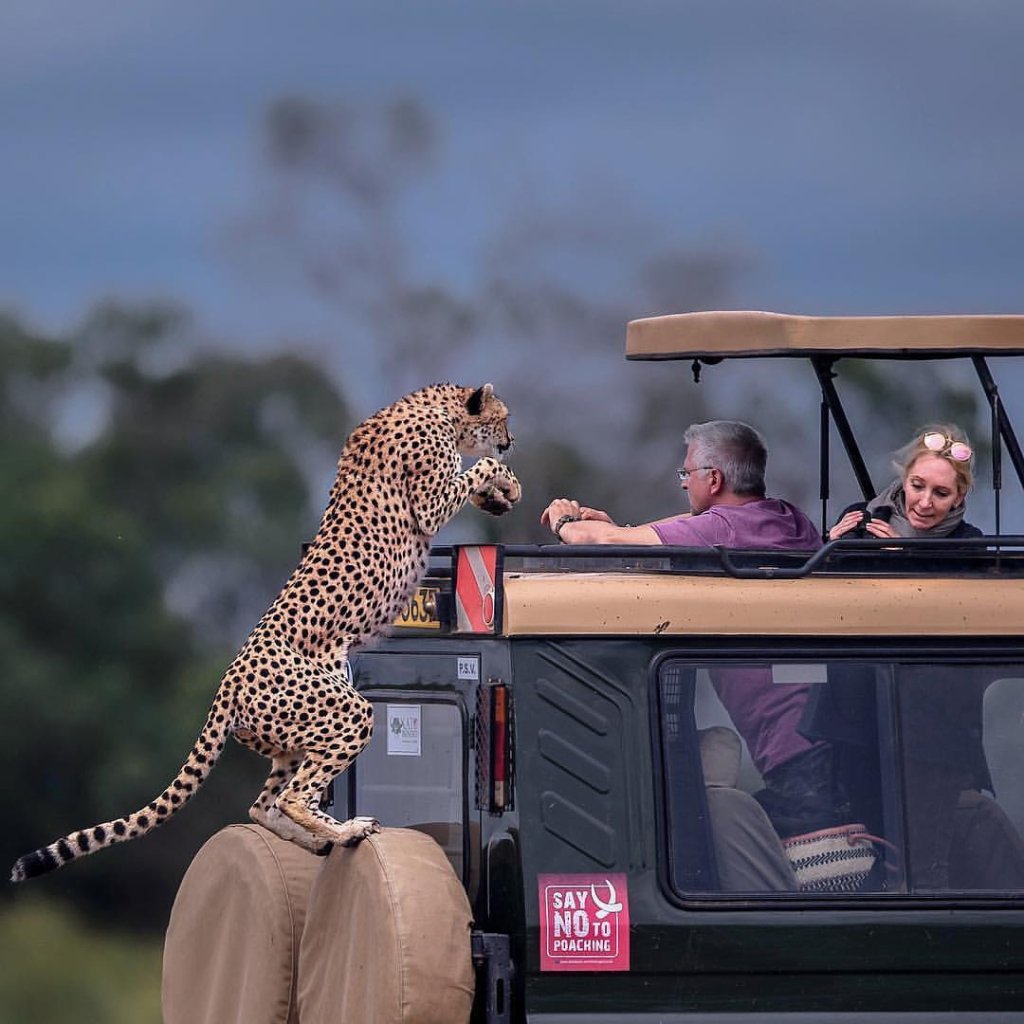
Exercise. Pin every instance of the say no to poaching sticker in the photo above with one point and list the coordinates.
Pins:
(584, 922)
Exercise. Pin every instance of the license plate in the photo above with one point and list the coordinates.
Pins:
(421, 611)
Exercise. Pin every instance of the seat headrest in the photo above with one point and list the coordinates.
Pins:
(720, 750)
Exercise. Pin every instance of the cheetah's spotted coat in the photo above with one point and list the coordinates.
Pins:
(287, 693)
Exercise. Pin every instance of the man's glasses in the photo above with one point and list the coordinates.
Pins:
(942, 445)
(685, 474)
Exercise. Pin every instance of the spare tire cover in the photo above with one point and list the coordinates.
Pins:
(231, 952)
(387, 936)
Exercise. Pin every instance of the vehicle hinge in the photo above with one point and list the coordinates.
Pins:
(493, 963)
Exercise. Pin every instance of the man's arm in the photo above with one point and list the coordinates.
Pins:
(576, 524)
(589, 531)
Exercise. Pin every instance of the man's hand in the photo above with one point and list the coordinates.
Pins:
(570, 507)
(558, 508)
(595, 515)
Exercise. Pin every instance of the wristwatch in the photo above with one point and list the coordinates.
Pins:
(561, 521)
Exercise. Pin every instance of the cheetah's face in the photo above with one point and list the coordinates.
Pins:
(485, 430)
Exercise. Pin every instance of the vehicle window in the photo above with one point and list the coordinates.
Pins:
(843, 777)
(411, 772)
(962, 730)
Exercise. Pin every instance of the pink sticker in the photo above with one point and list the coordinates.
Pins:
(584, 922)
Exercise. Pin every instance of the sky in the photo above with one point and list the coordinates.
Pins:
(864, 156)
(854, 156)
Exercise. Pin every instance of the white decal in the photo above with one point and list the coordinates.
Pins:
(613, 906)
(799, 674)
(403, 725)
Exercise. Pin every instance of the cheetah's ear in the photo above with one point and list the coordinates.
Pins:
(475, 402)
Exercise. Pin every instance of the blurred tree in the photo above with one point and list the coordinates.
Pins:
(227, 461)
(338, 178)
(132, 559)
(887, 402)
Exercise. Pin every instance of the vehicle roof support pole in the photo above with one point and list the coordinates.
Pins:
(1001, 427)
(997, 457)
(823, 468)
(823, 369)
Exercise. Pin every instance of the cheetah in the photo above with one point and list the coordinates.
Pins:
(288, 693)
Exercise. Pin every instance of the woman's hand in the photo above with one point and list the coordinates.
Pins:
(849, 522)
(875, 527)
(880, 528)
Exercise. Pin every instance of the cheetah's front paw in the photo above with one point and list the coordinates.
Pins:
(499, 495)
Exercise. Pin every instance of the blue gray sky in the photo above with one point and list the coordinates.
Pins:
(863, 156)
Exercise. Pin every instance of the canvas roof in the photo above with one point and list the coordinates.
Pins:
(747, 333)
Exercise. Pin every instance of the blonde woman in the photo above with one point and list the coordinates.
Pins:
(927, 499)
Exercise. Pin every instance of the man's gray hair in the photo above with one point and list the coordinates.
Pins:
(738, 451)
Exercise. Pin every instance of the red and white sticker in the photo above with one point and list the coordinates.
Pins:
(476, 573)
(584, 922)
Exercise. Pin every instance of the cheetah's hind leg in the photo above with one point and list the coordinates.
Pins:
(300, 801)
(264, 811)
(342, 728)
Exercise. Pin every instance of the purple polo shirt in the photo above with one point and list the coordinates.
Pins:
(766, 714)
(765, 523)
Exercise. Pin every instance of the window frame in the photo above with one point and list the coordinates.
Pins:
(886, 651)
(384, 695)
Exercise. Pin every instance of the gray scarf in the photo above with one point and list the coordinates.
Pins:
(894, 498)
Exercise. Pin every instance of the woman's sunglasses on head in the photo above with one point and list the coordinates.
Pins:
(942, 445)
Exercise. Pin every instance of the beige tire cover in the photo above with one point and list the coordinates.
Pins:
(232, 946)
(387, 936)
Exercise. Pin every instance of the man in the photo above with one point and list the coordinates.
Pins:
(723, 475)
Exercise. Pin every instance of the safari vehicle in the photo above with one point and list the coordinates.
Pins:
(549, 716)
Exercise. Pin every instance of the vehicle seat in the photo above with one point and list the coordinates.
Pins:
(748, 851)
(986, 852)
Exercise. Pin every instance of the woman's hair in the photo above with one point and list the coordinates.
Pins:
(906, 456)
(733, 448)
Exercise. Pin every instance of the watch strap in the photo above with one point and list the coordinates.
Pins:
(561, 521)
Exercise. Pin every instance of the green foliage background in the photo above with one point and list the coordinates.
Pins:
(131, 564)
(57, 967)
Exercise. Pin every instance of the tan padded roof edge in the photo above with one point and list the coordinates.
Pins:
(743, 333)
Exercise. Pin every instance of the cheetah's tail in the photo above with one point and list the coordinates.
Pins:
(201, 759)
